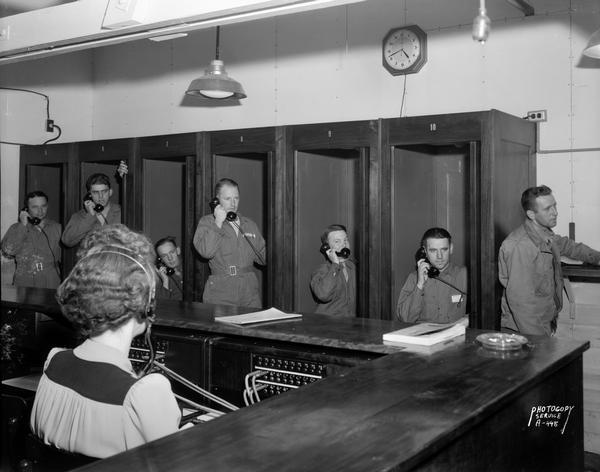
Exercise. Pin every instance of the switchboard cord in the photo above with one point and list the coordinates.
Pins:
(197, 406)
(192, 386)
(251, 392)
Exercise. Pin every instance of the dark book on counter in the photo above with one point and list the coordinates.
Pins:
(426, 334)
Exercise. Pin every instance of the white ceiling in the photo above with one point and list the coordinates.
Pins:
(14, 7)
(76, 25)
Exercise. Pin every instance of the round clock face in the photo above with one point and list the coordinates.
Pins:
(404, 50)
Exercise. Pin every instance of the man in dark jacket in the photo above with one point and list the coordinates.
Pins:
(97, 210)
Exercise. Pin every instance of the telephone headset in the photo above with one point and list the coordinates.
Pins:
(432, 272)
(98, 208)
(344, 252)
(148, 315)
(34, 220)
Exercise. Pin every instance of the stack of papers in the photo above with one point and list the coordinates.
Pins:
(271, 314)
(426, 334)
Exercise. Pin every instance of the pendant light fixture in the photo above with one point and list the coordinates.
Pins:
(481, 24)
(593, 46)
(215, 83)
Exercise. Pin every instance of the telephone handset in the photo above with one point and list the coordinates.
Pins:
(98, 208)
(34, 220)
(432, 272)
(159, 263)
(344, 252)
(214, 203)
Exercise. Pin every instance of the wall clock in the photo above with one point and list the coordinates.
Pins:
(404, 50)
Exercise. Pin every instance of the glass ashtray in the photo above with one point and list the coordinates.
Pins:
(502, 341)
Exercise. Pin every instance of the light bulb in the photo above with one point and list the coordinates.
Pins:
(216, 93)
(481, 26)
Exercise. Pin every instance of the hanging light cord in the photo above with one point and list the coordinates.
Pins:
(217, 47)
(47, 115)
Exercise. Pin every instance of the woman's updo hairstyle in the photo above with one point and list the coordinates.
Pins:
(118, 235)
(111, 283)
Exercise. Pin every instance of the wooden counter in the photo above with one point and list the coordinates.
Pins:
(582, 272)
(462, 408)
(358, 334)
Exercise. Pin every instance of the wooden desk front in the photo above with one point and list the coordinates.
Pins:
(459, 409)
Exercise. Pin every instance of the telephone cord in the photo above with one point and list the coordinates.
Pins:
(261, 260)
(462, 294)
(179, 287)
(51, 251)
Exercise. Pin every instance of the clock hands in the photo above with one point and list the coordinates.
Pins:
(399, 50)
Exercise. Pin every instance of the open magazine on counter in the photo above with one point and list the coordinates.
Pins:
(271, 314)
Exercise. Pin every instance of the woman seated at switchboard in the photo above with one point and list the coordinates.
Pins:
(89, 399)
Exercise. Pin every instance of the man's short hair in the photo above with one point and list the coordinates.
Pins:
(435, 233)
(35, 193)
(97, 179)
(529, 196)
(331, 229)
(223, 182)
(166, 239)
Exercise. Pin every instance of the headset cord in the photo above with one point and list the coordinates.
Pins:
(262, 261)
(148, 339)
(51, 251)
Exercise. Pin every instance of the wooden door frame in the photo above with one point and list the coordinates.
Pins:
(361, 136)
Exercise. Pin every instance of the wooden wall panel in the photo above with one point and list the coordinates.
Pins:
(495, 146)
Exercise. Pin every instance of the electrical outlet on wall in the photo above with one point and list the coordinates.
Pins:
(537, 115)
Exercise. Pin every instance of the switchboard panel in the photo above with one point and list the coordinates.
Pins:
(246, 371)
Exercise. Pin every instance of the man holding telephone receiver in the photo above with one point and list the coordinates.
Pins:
(34, 244)
(436, 291)
(333, 283)
(232, 244)
(169, 269)
(97, 210)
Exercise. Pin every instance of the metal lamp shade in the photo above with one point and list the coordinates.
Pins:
(216, 84)
(593, 47)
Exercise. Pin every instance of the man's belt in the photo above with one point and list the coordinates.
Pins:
(232, 271)
(39, 266)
